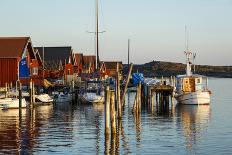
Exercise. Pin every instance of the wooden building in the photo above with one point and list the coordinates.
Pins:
(57, 61)
(110, 68)
(89, 62)
(78, 63)
(15, 52)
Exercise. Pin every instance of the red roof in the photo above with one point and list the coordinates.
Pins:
(12, 47)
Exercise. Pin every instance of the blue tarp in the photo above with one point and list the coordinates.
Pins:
(136, 78)
(23, 69)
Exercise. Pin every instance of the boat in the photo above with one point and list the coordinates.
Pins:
(192, 88)
(61, 98)
(94, 93)
(43, 98)
(12, 103)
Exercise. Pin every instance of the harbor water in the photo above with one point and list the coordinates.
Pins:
(79, 129)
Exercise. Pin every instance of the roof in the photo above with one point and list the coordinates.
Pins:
(55, 53)
(12, 47)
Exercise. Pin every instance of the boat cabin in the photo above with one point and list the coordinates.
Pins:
(189, 83)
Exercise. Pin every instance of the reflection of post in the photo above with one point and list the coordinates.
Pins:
(107, 144)
(137, 127)
(118, 137)
(113, 143)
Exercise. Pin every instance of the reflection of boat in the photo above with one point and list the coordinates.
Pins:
(190, 88)
(194, 121)
(60, 98)
(11, 103)
(44, 98)
(94, 93)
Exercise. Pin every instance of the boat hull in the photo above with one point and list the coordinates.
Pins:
(92, 98)
(194, 98)
(12, 103)
(44, 98)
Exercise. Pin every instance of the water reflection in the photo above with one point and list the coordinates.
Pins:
(194, 122)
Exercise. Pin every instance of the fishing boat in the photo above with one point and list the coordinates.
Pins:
(43, 98)
(12, 103)
(192, 88)
(93, 93)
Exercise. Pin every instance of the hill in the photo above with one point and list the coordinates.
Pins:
(166, 69)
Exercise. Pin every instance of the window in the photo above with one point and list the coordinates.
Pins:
(198, 80)
(35, 71)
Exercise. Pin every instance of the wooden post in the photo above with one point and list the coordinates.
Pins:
(16, 88)
(5, 90)
(112, 113)
(107, 111)
(20, 95)
(119, 97)
(135, 104)
(127, 82)
(139, 97)
(31, 91)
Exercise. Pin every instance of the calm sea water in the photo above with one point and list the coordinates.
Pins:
(74, 129)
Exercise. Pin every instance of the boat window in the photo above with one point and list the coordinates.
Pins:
(198, 80)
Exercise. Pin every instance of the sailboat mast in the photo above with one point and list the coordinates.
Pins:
(97, 40)
(128, 61)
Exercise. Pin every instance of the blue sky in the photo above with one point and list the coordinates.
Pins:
(156, 27)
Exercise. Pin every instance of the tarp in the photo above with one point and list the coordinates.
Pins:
(136, 78)
(23, 68)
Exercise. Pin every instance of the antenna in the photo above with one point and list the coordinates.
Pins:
(186, 38)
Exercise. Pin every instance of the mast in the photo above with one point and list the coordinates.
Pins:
(43, 62)
(128, 61)
(97, 40)
(188, 55)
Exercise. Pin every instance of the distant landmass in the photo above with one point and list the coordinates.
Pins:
(166, 69)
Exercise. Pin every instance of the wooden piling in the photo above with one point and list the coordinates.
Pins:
(139, 97)
(135, 104)
(107, 111)
(112, 113)
(20, 96)
(119, 105)
(31, 93)
(127, 82)
(6, 90)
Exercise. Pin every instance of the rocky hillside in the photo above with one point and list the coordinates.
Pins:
(160, 68)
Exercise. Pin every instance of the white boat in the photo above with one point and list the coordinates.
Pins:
(60, 98)
(44, 98)
(192, 88)
(12, 103)
(94, 93)
(92, 98)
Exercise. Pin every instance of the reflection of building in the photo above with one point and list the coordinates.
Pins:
(18, 133)
(194, 121)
